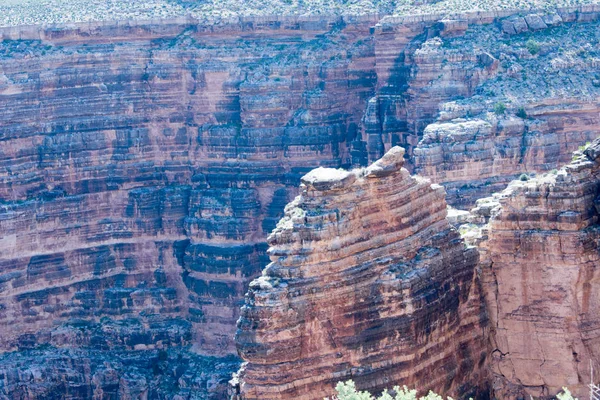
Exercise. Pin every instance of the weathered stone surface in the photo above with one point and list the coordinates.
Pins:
(142, 163)
(535, 22)
(141, 167)
(539, 263)
(100, 374)
(367, 281)
(552, 19)
(532, 110)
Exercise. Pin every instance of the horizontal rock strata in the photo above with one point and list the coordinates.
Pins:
(540, 267)
(142, 166)
(534, 102)
(368, 281)
(142, 163)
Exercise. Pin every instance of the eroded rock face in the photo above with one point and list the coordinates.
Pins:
(540, 267)
(367, 281)
(532, 107)
(142, 166)
(100, 374)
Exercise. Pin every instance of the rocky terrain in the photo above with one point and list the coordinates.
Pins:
(143, 163)
(536, 106)
(538, 256)
(367, 281)
(108, 374)
(140, 176)
(37, 12)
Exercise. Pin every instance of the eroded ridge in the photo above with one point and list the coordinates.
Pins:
(367, 281)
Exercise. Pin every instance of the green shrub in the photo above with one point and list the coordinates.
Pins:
(521, 113)
(499, 108)
(532, 46)
(524, 177)
(585, 146)
(347, 391)
(566, 395)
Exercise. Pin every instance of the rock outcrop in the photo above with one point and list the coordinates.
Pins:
(539, 261)
(142, 167)
(534, 104)
(368, 281)
(99, 374)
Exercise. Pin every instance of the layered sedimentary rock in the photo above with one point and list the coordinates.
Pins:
(142, 166)
(419, 76)
(536, 104)
(368, 281)
(540, 266)
(143, 163)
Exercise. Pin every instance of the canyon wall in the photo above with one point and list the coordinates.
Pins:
(535, 102)
(141, 169)
(369, 282)
(143, 164)
(539, 258)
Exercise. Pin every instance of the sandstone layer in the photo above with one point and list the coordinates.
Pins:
(142, 163)
(368, 281)
(142, 167)
(539, 261)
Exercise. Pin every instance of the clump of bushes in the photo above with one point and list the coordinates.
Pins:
(499, 108)
(524, 177)
(532, 46)
(521, 113)
(347, 391)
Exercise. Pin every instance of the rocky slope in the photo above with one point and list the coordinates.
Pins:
(367, 281)
(38, 12)
(535, 104)
(539, 257)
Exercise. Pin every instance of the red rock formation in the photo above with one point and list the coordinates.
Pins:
(473, 158)
(142, 165)
(367, 281)
(530, 110)
(542, 285)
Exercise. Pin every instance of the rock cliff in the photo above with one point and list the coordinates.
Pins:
(539, 265)
(534, 102)
(367, 281)
(141, 168)
(143, 162)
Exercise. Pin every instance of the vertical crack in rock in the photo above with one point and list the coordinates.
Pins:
(367, 281)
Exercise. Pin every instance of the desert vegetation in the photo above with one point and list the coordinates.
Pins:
(347, 391)
(30, 12)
